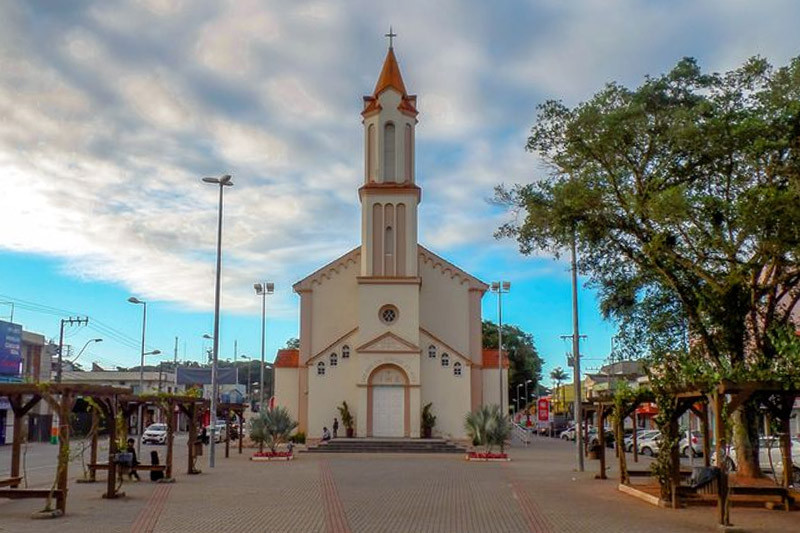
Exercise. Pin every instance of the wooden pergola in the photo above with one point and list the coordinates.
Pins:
(226, 410)
(61, 396)
(168, 405)
(727, 396)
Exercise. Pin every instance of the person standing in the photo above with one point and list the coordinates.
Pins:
(132, 473)
(335, 427)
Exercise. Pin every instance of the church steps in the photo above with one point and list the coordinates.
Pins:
(386, 446)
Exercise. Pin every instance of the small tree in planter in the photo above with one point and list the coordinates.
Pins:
(347, 419)
(477, 425)
(499, 430)
(487, 427)
(272, 428)
(428, 421)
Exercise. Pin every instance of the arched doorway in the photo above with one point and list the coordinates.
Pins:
(388, 402)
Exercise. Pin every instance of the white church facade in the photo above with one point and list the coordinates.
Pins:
(389, 326)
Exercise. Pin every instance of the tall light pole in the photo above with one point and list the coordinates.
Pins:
(518, 386)
(84, 348)
(500, 287)
(137, 301)
(527, 400)
(224, 181)
(263, 289)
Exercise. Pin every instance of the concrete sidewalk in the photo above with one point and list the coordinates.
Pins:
(535, 493)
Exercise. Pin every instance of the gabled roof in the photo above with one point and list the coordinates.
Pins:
(328, 270)
(288, 358)
(447, 347)
(389, 342)
(446, 266)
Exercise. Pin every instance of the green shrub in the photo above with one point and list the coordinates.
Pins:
(298, 438)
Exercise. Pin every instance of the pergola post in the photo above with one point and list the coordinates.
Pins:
(704, 426)
(19, 409)
(601, 436)
(241, 430)
(227, 433)
(65, 407)
(93, 449)
(787, 402)
(635, 436)
(675, 464)
(719, 434)
(170, 437)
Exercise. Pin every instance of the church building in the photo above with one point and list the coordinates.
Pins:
(389, 326)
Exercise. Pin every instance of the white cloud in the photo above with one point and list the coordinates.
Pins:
(111, 116)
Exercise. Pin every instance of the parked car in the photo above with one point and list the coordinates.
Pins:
(220, 433)
(592, 438)
(649, 445)
(697, 444)
(769, 457)
(640, 435)
(155, 434)
(568, 434)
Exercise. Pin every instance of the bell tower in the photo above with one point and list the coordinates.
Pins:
(389, 195)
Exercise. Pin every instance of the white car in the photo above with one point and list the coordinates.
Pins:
(770, 459)
(220, 433)
(155, 434)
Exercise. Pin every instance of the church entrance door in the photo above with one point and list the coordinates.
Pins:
(388, 411)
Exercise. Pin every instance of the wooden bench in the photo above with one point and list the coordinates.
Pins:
(10, 481)
(647, 473)
(18, 494)
(786, 499)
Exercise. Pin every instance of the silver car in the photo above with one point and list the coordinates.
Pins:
(770, 457)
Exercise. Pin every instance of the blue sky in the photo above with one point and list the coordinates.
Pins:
(114, 110)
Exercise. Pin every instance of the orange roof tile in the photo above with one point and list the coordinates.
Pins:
(390, 75)
(288, 358)
(490, 358)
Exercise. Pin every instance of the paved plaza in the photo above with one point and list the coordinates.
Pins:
(335, 493)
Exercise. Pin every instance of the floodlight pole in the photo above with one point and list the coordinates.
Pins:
(576, 358)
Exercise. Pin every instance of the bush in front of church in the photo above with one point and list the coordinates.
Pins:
(272, 427)
(486, 426)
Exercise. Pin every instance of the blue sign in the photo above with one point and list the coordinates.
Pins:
(10, 349)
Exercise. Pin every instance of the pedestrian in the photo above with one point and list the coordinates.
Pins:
(131, 449)
(335, 428)
(326, 435)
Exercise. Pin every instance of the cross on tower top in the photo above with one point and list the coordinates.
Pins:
(391, 35)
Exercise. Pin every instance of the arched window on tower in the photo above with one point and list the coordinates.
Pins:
(408, 145)
(389, 174)
(456, 368)
(320, 368)
(345, 351)
(388, 244)
(371, 153)
(445, 359)
(334, 359)
(431, 351)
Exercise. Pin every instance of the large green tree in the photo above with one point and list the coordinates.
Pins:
(683, 198)
(524, 360)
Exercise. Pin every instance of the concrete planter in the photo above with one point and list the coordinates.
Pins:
(488, 458)
(267, 458)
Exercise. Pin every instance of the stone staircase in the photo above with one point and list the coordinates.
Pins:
(376, 445)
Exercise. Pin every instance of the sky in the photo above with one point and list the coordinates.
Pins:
(113, 111)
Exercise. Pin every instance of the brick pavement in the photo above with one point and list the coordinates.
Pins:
(331, 493)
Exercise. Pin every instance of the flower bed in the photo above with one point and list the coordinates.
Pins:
(487, 456)
(272, 456)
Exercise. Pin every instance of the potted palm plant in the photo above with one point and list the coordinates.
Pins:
(347, 419)
(487, 427)
(428, 421)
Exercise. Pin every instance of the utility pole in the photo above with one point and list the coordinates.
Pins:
(235, 349)
(576, 357)
(64, 321)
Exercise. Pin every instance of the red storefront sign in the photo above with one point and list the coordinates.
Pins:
(543, 409)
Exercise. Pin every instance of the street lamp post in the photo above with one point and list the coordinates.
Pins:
(527, 399)
(84, 348)
(224, 181)
(518, 386)
(137, 301)
(263, 289)
(500, 287)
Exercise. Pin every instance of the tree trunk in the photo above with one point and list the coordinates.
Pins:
(745, 440)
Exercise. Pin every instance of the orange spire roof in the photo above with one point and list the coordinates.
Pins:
(390, 75)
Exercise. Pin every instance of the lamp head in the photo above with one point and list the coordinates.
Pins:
(207, 336)
(258, 287)
(270, 287)
(97, 340)
(135, 300)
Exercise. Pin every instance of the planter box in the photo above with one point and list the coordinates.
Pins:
(488, 458)
(267, 458)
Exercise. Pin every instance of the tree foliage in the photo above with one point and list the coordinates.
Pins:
(683, 196)
(524, 360)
